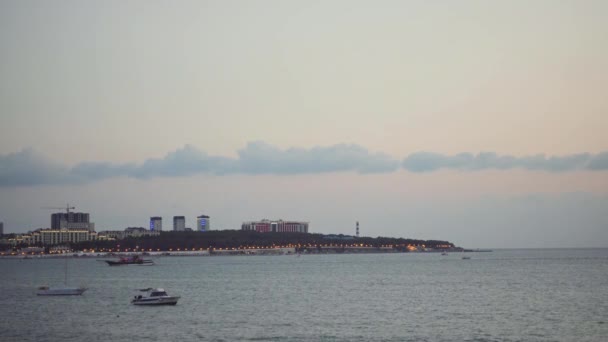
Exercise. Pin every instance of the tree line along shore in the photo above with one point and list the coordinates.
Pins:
(237, 239)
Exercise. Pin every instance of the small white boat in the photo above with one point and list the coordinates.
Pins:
(155, 297)
(60, 291)
(65, 290)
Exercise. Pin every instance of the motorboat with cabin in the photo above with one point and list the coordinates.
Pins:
(154, 297)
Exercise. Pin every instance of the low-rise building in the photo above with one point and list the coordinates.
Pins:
(50, 236)
(277, 226)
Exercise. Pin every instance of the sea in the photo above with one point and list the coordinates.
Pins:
(503, 295)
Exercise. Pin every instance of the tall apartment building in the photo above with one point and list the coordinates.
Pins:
(203, 223)
(276, 226)
(71, 220)
(156, 223)
(179, 223)
(1, 228)
(66, 227)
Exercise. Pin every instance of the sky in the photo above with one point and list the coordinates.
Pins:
(481, 123)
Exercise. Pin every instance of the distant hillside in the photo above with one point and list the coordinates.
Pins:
(244, 239)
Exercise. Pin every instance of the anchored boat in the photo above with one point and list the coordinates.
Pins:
(61, 290)
(155, 297)
(131, 260)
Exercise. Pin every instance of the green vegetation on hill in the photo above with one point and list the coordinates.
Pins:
(250, 239)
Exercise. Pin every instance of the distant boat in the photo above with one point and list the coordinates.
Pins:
(155, 297)
(444, 253)
(466, 257)
(61, 290)
(132, 260)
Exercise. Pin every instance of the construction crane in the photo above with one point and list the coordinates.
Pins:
(67, 208)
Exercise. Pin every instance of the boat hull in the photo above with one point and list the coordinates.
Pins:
(137, 263)
(64, 291)
(156, 301)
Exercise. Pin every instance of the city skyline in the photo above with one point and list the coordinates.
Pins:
(478, 123)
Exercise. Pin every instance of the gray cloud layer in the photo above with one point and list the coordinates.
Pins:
(30, 168)
(260, 157)
(426, 162)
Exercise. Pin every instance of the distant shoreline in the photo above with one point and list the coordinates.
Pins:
(241, 252)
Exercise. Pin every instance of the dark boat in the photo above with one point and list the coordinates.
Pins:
(130, 260)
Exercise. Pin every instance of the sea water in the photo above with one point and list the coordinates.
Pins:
(504, 295)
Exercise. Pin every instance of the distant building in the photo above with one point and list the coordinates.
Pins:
(279, 226)
(66, 227)
(71, 220)
(179, 223)
(128, 232)
(156, 223)
(202, 223)
(1, 228)
(50, 236)
(32, 250)
(338, 237)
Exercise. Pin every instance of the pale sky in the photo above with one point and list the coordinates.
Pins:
(479, 122)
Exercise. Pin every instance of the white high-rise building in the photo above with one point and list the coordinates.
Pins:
(203, 223)
(156, 223)
(179, 223)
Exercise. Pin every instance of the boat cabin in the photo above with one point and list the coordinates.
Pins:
(158, 293)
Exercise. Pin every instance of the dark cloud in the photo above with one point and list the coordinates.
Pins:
(599, 162)
(27, 167)
(260, 157)
(185, 161)
(427, 161)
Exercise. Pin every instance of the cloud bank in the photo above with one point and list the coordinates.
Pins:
(30, 168)
(27, 167)
(427, 162)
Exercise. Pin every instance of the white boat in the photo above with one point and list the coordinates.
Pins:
(61, 290)
(155, 297)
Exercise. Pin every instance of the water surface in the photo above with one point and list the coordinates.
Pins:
(508, 295)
